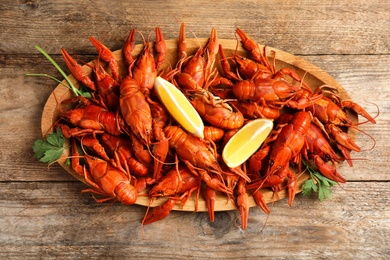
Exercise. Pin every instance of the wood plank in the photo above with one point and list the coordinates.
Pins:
(55, 220)
(43, 214)
(352, 27)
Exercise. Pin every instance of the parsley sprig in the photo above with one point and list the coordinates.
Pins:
(317, 183)
(51, 149)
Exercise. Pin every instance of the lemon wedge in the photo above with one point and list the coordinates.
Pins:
(246, 142)
(179, 107)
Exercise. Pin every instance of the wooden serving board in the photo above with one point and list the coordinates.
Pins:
(313, 76)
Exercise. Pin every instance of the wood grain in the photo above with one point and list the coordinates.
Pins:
(34, 220)
(44, 215)
(307, 27)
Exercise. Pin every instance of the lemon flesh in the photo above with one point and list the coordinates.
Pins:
(246, 142)
(179, 107)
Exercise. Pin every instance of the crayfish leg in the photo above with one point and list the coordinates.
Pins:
(99, 193)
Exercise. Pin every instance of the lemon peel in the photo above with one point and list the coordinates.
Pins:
(179, 107)
(246, 141)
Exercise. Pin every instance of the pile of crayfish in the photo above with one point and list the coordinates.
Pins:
(132, 147)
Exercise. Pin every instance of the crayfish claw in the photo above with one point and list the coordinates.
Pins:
(358, 109)
(161, 47)
(107, 55)
(182, 43)
(159, 212)
(77, 71)
(128, 47)
(342, 138)
(255, 50)
(210, 196)
(243, 203)
(260, 201)
(327, 170)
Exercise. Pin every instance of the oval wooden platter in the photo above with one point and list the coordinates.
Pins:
(313, 76)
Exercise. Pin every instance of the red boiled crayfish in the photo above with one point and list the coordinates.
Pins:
(220, 114)
(194, 71)
(197, 155)
(287, 144)
(92, 118)
(178, 185)
(105, 179)
(121, 149)
(319, 149)
(144, 68)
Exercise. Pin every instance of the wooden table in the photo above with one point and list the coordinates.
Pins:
(44, 215)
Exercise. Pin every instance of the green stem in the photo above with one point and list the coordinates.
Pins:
(71, 86)
(46, 75)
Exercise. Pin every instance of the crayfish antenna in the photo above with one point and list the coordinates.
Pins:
(377, 107)
(265, 222)
(366, 134)
(147, 210)
(146, 213)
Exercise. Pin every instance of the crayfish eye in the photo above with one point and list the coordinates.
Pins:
(271, 163)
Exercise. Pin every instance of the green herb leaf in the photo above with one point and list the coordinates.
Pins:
(56, 140)
(52, 155)
(308, 187)
(51, 149)
(323, 193)
(38, 148)
(317, 183)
